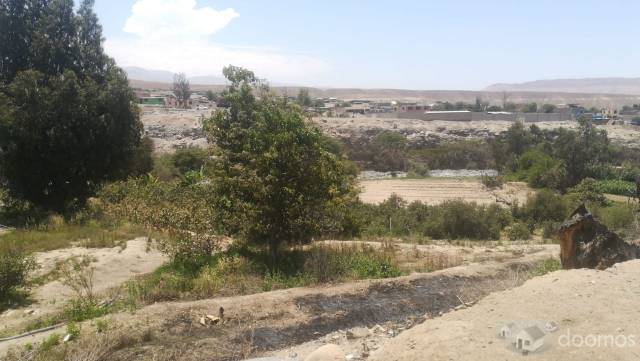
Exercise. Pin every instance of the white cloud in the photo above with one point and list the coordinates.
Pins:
(175, 35)
(175, 19)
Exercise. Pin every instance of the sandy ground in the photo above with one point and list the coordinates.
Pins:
(437, 190)
(279, 320)
(112, 267)
(589, 307)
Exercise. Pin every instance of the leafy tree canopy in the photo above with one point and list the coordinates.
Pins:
(273, 167)
(68, 119)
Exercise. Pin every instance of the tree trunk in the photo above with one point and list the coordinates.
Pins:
(273, 252)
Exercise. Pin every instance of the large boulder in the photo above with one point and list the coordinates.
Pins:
(587, 243)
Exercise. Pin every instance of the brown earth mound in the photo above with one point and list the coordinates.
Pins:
(587, 243)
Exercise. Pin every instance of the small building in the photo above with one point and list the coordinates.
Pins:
(362, 108)
(529, 339)
(453, 115)
(508, 330)
(171, 101)
(151, 101)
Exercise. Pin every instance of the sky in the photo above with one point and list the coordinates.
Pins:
(403, 44)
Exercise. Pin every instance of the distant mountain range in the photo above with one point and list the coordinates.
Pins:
(163, 76)
(629, 86)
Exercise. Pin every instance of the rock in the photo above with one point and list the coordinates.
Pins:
(587, 243)
(328, 352)
(203, 321)
(358, 332)
(213, 319)
(349, 357)
(67, 337)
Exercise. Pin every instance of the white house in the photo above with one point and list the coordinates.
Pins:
(530, 339)
(508, 330)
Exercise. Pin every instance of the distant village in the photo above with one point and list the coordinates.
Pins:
(458, 111)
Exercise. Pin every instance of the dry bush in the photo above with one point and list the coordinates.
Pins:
(78, 275)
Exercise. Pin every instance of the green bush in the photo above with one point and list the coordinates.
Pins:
(15, 266)
(79, 310)
(492, 182)
(189, 159)
(458, 219)
(617, 217)
(519, 232)
(545, 205)
(550, 229)
(467, 154)
(588, 191)
(615, 186)
(539, 169)
(547, 266)
(454, 219)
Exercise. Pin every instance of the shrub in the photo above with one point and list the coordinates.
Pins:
(519, 232)
(544, 205)
(189, 159)
(459, 219)
(467, 154)
(550, 229)
(492, 182)
(547, 266)
(50, 342)
(615, 186)
(15, 266)
(79, 310)
(588, 191)
(616, 217)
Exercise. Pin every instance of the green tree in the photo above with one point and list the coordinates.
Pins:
(211, 96)
(549, 108)
(389, 151)
(68, 119)
(582, 151)
(182, 89)
(530, 108)
(304, 99)
(273, 171)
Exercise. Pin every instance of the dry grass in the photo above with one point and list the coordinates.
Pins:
(49, 237)
(90, 346)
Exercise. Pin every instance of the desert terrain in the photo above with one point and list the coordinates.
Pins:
(176, 128)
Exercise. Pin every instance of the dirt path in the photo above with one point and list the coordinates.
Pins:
(438, 190)
(271, 321)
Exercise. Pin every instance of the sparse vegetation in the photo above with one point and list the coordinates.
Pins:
(547, 266)
(449, 220)
(15, 266)
(247, 270)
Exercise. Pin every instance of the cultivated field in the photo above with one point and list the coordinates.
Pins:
(437, 190)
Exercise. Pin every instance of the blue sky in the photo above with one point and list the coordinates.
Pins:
(408, 44)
